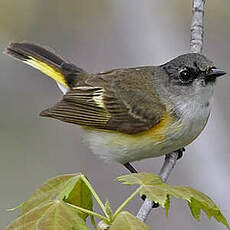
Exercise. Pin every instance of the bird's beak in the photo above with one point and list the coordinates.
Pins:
(214, 73)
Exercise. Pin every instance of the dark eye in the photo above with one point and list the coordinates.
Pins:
(185, 75)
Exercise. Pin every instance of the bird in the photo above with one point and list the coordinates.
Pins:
(129, 114)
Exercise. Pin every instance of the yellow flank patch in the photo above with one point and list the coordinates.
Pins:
(47, 69)
(158, 131)
(156, 134)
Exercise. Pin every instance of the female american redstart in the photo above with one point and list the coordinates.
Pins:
(132, 113)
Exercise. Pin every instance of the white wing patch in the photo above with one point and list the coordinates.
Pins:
(63, 89)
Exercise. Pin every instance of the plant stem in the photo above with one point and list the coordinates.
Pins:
(88, 212)
(122, 206)
(95, 195)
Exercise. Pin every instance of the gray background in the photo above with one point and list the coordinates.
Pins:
(99, 35)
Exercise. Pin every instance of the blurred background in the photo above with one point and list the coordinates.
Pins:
(99, 35)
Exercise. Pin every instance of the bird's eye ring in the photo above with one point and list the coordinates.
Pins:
(185, 75)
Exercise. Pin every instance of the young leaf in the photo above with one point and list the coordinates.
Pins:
(108, 210)
(51, 215)
(126, 221)
(69, 188)
(47, 191)
(79, 195)
(154, 189)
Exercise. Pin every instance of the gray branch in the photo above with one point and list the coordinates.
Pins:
(196, 45)
(197, 26)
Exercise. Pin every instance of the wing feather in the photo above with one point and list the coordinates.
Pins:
(102, 102)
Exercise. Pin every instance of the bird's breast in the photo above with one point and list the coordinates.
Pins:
(194, 115)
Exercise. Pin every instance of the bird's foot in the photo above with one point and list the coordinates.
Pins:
(180, 153)
(155, 205)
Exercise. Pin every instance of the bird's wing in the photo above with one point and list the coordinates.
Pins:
(123, 100)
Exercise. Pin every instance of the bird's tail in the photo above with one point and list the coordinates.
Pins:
(45, 61)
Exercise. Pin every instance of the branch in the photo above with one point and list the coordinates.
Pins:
(197, 26)
(196, 45)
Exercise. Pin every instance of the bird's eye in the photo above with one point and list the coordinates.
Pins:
(185, 75)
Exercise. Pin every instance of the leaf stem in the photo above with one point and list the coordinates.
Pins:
(16, 208)
(95, 195)
(122, 206)
(88, 212)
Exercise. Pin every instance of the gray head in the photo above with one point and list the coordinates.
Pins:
(190, 74)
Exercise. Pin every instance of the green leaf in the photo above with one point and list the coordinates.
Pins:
(140, 179)
(126, 221)
(49, 190)
(69, 188)
(108, 210)
(154, 189)
(79, 195)
(51, 215)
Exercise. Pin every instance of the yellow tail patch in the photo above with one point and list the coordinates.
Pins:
(49, 70)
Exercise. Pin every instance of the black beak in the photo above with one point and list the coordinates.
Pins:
(214, 72)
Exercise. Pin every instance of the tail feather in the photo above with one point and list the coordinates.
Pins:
(46, 61)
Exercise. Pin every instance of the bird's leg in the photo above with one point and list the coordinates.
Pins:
(130, 167)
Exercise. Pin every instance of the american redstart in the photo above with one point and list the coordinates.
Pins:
(130, 114)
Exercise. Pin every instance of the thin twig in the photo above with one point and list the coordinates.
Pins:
(196, 45)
